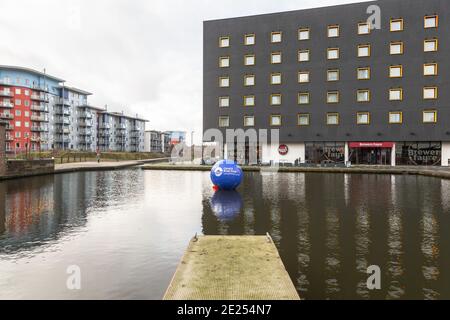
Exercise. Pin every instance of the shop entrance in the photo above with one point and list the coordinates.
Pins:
(371, 153)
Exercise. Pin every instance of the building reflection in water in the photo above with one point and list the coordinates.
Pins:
(330, 228)
(37, 210)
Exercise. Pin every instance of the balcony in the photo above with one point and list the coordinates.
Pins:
(85, 124)
(39, 107)
(135, 129)
(62, 131)
(104, 126)
(85, 115)
(85, 141)
(39, 97)
(5, 104)
(35, 139)
(62, 139)
(62, 111)
(39, 129)
(6, 93)
(9, 127)
(39, 118)
(61, 101)
(121, 134)
(39, 87)
(104, 134)
(85, 132)
(63, 121)
(6, 116)
(9, 138)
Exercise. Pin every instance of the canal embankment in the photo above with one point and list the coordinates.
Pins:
(16, 169)
(438, 172)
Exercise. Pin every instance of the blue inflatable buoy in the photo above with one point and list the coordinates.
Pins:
(226, 205)
(226, 175)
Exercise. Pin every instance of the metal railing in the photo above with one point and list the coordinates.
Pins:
(4, 104)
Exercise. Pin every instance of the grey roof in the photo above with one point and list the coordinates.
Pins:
(31, 71)
(73, 89)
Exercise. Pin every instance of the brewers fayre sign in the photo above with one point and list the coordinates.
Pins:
(283, 149)
(371, 144)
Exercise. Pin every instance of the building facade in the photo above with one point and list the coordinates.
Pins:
(153, 141)
(41, 113)
(337, 85)
(118, 132)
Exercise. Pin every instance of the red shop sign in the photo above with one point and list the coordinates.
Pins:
(371, 144)
(283, 149)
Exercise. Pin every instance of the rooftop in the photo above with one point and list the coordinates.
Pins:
(29, 70)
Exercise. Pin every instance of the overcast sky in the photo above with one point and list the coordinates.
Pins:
(140, 56)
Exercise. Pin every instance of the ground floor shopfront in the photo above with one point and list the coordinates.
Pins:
(356, 153)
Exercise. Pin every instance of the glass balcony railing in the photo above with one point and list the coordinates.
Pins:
(4, 104)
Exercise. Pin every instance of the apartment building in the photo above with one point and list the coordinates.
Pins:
(118, 132)
(338, 85)
(42, 113)
(153, 141)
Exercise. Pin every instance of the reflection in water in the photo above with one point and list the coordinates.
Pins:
(330, 228)
(226, 205)
(128, 229)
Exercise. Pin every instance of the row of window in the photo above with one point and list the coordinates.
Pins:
(333, 31)
(304, 55)
(332, 118)
(396, 71)
(362, 95)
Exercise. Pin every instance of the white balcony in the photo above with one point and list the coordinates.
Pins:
(6, 116)
(4, 104)
(6, 93)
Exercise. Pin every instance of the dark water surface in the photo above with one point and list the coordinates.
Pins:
(127, 231)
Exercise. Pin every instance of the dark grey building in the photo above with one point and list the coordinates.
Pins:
(339, 83)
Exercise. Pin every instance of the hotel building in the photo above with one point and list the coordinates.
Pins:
(339, 84)
(41, 113)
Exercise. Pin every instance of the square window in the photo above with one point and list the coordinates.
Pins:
(303, 55)
(249, 101)
(224, 82)
(224, 121)
(224, 42)
(332, 118)
(396, 71)
(275, 120)
(224, 62)
(333, 31)
(249, 121)
(275, 99)
(396, 48)
(364, 50)
(303, 119)
(303, 34)
(363, 73)
(430, 69)
(363, 118)
(396, 94)
(303, 98)
(430, 45)
(363, 95)
(249, 60)
(431, 22)
(333, 75)
(332, 97)
(18, 102)
(224, 102)
(364, 28)
(249, 39)
(396, 25)
(395, 117)
(430, 116)
(276, 37)
(333, 53)
(275, 78)
(275, 58)
(430, 93)
(249, 80)
(18, 91)
(303, 77)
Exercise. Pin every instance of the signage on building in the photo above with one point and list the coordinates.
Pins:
(283, 149)
(371, 144)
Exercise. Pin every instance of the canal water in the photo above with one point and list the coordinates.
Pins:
(127, 230)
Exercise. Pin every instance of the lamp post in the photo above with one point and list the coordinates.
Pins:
(192, 146)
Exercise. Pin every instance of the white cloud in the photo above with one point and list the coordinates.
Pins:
(142, 57)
